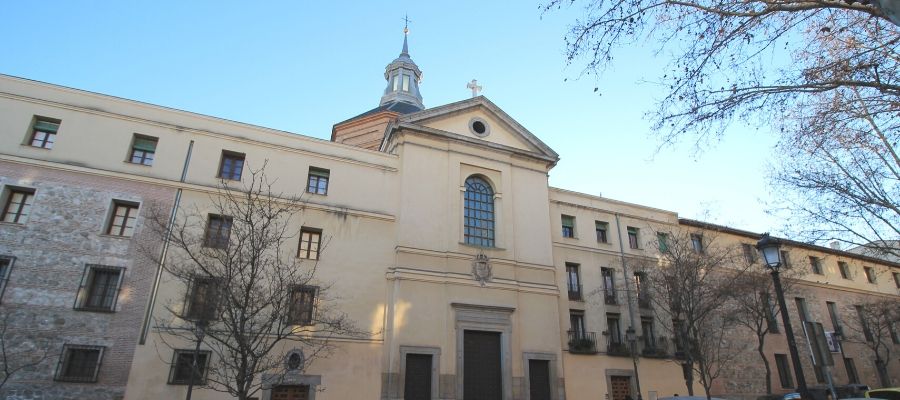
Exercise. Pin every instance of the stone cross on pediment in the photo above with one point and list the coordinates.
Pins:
(475, 87)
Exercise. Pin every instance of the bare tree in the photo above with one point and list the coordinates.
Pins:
(754, 307)
(247, 293)
(692, 287)
(20, 350)
(823, 74)
(841, 180)
(876, 329)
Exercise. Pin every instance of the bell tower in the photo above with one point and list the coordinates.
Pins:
(401, 96)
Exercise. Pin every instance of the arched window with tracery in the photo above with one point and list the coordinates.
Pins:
(479, 212)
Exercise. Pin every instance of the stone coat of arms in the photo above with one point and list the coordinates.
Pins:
(481, 268)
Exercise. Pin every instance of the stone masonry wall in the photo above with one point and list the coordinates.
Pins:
(746, 377)
(64, 233)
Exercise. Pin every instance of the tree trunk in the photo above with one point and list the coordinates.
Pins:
(765, 361)
(883, 376)
(688, 370)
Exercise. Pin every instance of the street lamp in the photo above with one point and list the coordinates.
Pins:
(631, 337)
(771, 251)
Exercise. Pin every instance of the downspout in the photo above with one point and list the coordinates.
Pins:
(625, 272)
(154, 290)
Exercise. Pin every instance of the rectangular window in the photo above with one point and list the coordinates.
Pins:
(852, 376)
(6, 264)
(867, 332)
(43, 132)
(663, 239)
(895, 336)
(845, 269)
(310, 240)
(121, 221)
(573, 281)
(784, 371)
(79, 363)
(232, 165)
(816, 264)
(395, 82)
(143, 149)
(749, 253)
(182, 367)
(771, 322)
(317, 182)
(99, 288)
(302, 306)
(897, 279)
(633, 237)
(801, 308)
(697, 242)
(202, 301)
(870, 274)
(576, 323)
(785, 258)
(649, 335)
(218, 231)
(568, 226)
(612, 329)
(18, 204)
(405, 83)
(609, 285)
(640, 287)
(602, 231)
(835, 319)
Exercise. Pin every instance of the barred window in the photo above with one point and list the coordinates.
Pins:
(479, 212)
(302, 305)
(79, 363)
(99, 288)
(183, 367)
(202, 301)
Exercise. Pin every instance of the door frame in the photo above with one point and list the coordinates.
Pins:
(435, 353)
(620, 372)
(476, 317)
(554, 380)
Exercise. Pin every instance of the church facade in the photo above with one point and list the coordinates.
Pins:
(476, 278)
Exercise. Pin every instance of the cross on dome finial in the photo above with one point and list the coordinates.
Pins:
(406, 24)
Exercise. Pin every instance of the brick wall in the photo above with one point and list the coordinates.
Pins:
(63, 233)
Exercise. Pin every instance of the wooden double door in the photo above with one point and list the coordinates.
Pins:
(620, 387)
(290, 392)
(482, 368)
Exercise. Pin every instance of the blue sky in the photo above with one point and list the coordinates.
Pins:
(301, 68)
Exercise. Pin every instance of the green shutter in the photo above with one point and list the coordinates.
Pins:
(318, 172)
(46, 126)
(148, 145)
(568, 221)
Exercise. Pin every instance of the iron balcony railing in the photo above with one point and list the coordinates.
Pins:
(655, 348)
(582, 342)
(617, 348)
(575, 292)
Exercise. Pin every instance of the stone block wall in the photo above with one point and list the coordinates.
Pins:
(64, 232)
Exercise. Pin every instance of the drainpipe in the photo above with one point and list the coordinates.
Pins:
(154, 290)
(629, 301)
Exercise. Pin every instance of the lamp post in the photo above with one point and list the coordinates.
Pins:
(631, 337)
(771, 251)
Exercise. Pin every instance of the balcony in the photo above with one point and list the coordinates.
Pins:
(609, 297)
(658, 348)
(617, 349)
(644, 301)
(582, 342)
(575, 293)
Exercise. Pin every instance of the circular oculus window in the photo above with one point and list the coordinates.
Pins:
(479, 127)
